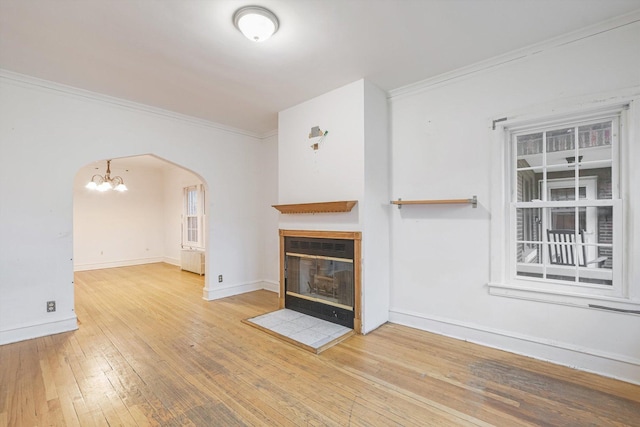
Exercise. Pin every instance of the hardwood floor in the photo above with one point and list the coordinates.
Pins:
(150, 351)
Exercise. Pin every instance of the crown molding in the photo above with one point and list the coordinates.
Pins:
(30, 81)
(269, 134)
(516, 55)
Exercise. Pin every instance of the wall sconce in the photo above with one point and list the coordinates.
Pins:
(316, 132)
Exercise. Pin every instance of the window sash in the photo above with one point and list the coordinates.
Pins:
(516, 270)
(193, 217)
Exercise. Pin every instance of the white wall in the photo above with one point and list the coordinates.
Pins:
(441, 146)
(269, 218)
(375, 209)
(114, 229)
(351, 163)
(333, 172)
(57, 130)
(175, 180)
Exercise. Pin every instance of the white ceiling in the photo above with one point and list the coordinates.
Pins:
(186, 56)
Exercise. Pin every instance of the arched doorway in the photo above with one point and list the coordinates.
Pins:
(162, 213)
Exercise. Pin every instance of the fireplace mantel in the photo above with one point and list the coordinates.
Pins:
(317, 207)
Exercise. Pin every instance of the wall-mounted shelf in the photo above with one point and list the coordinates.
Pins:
(318, 207)
(473, 202)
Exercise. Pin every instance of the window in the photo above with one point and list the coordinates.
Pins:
(563, 198)
(558, 226)
(193, 217)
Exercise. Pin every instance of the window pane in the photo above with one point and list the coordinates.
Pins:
(527, 186)
(563, 194)
(560, 146)
(595, 135)
(595, 156)
(528, 224)
(560, 140)
(597, 178)
(603, 236)
(565, 219)
(529, 155)
(192, 229)
(529, 260)
(192, 202)
(529, 144)
(528, 252)
(598, 248)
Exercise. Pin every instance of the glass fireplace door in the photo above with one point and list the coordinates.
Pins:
(322, 279)
(319, 278)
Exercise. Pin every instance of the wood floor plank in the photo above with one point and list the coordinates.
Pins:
(151, 352)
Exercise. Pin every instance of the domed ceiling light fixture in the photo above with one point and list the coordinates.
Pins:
(105, 183)
(256, 23)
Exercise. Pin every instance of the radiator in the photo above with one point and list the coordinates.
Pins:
(192, 261)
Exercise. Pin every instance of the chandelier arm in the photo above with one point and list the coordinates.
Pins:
(98, 178)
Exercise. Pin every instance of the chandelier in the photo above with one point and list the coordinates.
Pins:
(106, 182)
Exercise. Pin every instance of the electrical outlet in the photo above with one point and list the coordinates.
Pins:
(51, 306)
(220, 278)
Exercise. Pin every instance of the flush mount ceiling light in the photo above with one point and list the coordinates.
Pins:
(104, 183)
(255, 22)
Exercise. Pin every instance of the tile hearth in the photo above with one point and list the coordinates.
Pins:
(310, 333)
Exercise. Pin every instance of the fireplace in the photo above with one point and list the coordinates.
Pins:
(320, 275)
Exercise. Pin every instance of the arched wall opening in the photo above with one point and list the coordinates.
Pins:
(145, 224)
(49, 132)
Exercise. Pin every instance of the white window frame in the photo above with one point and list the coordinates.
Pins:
(624, 295)
(200, 215)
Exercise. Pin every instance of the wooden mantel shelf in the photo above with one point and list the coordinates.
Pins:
(318, 207)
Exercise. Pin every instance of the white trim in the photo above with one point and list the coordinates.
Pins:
(630, 192)
(210, 294)
(121, 263)
(593, 108)
(603, 363)
(271, 285)
(40, 329)
(171, 261)
(573, 299)
(516, 55)
(269, 134)
(25, 80)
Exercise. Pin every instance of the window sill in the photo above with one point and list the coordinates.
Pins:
(593, 302)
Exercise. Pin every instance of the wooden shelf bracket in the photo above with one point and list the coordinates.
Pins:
(472, 201)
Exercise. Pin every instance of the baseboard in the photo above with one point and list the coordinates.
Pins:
(115, 264)
(37, 330)
(218, 292)
(602, 363)
(172, 261)
(270, 285)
